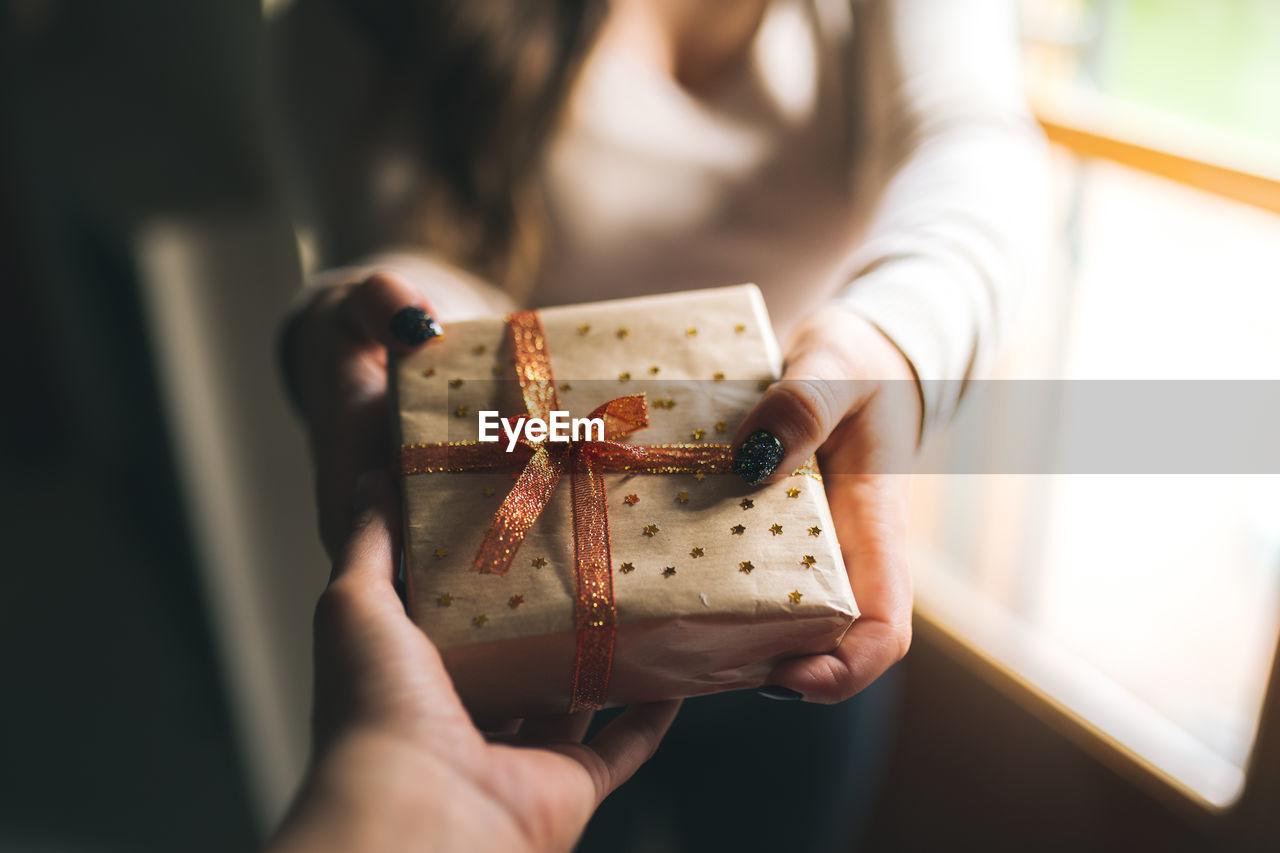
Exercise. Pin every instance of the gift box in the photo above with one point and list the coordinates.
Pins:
(623, 562)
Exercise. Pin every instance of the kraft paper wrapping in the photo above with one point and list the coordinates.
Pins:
(509, 641)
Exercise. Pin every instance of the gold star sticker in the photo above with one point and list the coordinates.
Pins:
(763, 385)
(538, 562)
(747, 503)
(478, 349)
(795, 595)
(699, 476)
(444, 599)
(624, 376)
(515, 601)
(668, 571)
(487, 491)
(584, 328)
(808, 560)
(479, 619)
(496, 370)
(815, 530)
(441, 553)
(626, 568)
(745, 567)
(650, 530)
(565, 386)
(721, 426)
(739, 329)
(622, 333)
(690, 332)
(429, 372)
(793, 492)
(776, 529)
(718, 376)
(631, 500)
(682, 497)
(698, 434)
(455, 383)
(696, 552)
(655, 370)
(737, 530)
(461, 412)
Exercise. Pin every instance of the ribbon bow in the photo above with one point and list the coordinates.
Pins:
(545, 464)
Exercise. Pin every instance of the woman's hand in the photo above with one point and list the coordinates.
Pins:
(398, 764)
(850, 395)
(334, 354)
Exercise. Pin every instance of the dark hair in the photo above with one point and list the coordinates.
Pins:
(487, 80)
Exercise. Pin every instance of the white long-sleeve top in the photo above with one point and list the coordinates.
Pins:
(874, 152)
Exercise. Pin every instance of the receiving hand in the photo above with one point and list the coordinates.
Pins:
(850, 395)
(399, 765)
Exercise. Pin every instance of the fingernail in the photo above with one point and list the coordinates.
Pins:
(414, 326)
(758, 456)
(782, 694)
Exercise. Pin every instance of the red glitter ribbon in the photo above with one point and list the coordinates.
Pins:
(545, 464)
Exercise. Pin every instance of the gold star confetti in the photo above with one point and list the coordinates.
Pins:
(718, 376)
(624, 376)
(565, 386)
(631, 500)
(815, 530)
(696, 552)
(444, 599)
(455, 383)
(776, 529)
(793, 492)
(747, 503)
(795, 595)
(739, 329)
(515, 601)
(808, 560)
(478, 349)
(585, 328)
(650, 530)
(626, 568)
(441, 553)
(698, 434)
(690, 332)
(479, 619)
(461, 412)
(737, 530)
(699, 476)
(487, 491)
(745, 567)
(496, 370)
(622, 333)
(682, 497)
(429, 372)
(538, 562)
(721, 426)
(668, 571)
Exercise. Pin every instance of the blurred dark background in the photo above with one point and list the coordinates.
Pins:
(115, 732)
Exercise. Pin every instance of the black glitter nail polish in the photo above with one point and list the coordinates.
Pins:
(758, 456)
(782, 694)
(414, 326)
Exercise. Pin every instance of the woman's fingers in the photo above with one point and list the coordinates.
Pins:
(870, 515)
(387, 309)
(368, 557)
(557, 728)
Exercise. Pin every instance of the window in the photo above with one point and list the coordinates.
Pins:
(1146, 606)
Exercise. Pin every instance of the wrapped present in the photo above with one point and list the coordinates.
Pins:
(623, 561)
